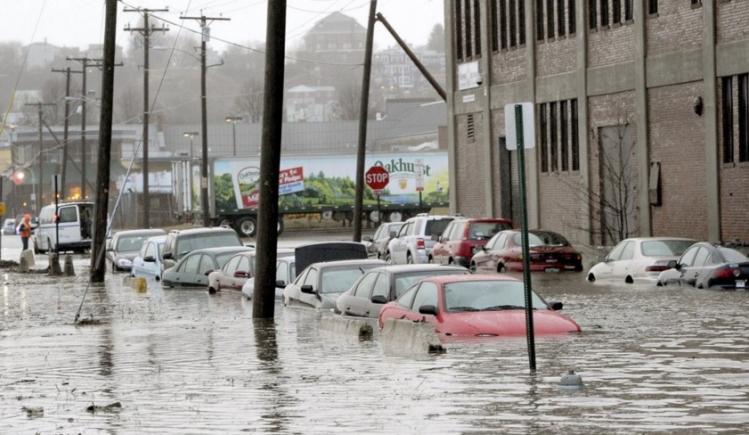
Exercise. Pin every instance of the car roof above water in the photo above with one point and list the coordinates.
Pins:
(409, 268)
(343, 263)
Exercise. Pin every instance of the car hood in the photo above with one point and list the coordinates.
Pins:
(126, 255)
(506, 323)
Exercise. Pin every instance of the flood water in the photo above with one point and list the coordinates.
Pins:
(652, 359)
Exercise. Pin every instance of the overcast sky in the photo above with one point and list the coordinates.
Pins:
(80, 22)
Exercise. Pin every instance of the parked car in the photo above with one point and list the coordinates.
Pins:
(707, 265)
(413, 243)
(378, 243)
(147, 263)
(320, 284)
(9, 227)
(639, 259)
(193, 269)
(549, 252)
(379, 286)
(463, 237)
(181, 242)
(236, 271)
(285, 273)
(125, 245)
(75, 220)
(476, 306)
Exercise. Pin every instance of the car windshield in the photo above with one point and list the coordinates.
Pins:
(732, 255)
(541, 238)
(207, 240)
(130, 243)
(486, 230)
(665, 248)
(487, 296)
(340, 279)
(436, 226)
(404, 281)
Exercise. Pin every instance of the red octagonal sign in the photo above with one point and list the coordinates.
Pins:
(377, 177)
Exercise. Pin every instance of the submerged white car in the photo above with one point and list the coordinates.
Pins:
(639, 259)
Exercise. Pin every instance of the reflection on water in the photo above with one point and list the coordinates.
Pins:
(652, 359)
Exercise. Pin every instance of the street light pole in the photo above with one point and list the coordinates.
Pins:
(233, 120)
(190, 135)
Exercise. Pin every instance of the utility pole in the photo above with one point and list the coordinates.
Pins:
(40, 113)
(146, 31)
(263, 303)
(105, 145)
(66, 122)
(363, 115)
(205, 36)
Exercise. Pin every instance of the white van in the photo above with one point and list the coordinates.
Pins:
(76, 220)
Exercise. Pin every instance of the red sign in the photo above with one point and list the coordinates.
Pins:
(377, 177)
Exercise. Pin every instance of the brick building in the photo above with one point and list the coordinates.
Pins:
(642, 113)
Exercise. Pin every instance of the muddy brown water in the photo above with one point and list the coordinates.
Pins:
(652, 359)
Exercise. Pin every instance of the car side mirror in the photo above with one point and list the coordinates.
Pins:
(678, 266)
(149, 259)
(307, 289)
(280, 283)
(484, 248)
(673, 264)
(428, 309)
(241, 274)
(208, 272)
(379, 299)
(167, 256)
(556, 306)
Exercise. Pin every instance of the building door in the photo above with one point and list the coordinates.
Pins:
(617, 203)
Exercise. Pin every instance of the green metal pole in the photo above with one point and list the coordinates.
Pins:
(524, 233)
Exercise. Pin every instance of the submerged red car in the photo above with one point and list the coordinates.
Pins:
(476, 306)
(549, 252)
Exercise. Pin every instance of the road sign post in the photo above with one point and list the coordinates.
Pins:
(377, 178)
(520, 123)
(57, 213)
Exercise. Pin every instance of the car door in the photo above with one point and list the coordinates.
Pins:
(70, 231)
(225, 278)
(207, 265)
(426, 295)
(624, 266)
(356, 303)
(702, 260)
(139, 268)
(187, 273)
(439, 251)
(398, 246)
(674, 276)
(381, 288)
(455, 239)
(311, 279)
(605, 269)
(490, 257)
(243, 269)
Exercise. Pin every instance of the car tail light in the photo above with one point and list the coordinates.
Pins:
(656, 268)
(420, 244)
(725, 272)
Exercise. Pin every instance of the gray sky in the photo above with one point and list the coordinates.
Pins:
(80, 22)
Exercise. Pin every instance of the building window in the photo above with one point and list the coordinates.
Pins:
(540, 20)
(503, 22)
(550, 18)
(628, 10)
(470, 128)
(553, 136)
(560, 17)
(469, 40)
(494, 28)
(616, 6)
(477, 27)
(593, 14)
(458, 31)
(604, 13)
(571, 16)
(542, 138)
(513, 26)
(652, 7)
(743, 118)
(575, 140)
(727, 117)
(696, 3)
(521, 21)
(563, 143)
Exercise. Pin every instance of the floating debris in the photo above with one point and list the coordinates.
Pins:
(33, 411)
(112, 407)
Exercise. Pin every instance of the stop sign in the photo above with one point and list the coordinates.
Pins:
(377, 177)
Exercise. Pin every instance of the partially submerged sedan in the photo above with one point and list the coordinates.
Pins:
(384, 284)
(320, 284)
(549, 252)
(639, 259)
(237, 271)
(706, 265)
(285, 273)
(476, 306)
(193, 269)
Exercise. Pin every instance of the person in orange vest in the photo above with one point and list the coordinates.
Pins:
(24, 229)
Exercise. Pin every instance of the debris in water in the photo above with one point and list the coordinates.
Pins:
(112, 407)
(33, 411)
(89, 321)
(571, 380)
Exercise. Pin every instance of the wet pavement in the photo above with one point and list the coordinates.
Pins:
(180, 361)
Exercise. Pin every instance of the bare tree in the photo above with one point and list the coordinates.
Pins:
(129, 106)
(348, 101)
(249, 102)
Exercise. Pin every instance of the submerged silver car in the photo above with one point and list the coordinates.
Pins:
(193, 269)
(125, 245)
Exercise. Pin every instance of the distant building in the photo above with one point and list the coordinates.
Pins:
(310, 103)
(395, 74)
(333, 41)
(41, 54)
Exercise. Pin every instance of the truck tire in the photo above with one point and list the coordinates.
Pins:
(247, 226)
(395, 216)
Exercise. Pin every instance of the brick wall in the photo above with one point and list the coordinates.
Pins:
(469, 157)
(677, 140)
(608, 46)
(509, 65)
(603, 111)
(498, 127)
(734, 196)
(556, 57)
(732, 20)
(678, 26)
(563, 204)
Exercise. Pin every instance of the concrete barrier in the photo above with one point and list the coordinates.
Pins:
(404, 337)
(26, 262)
(54, 265)
(362, 328)
(69, 270)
